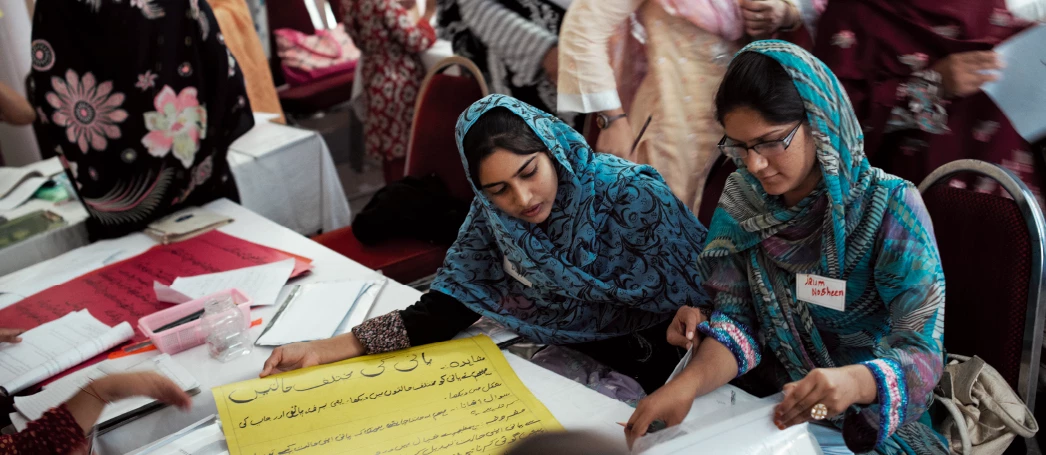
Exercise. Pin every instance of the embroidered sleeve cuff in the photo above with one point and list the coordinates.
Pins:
(736, 337)
(893, 396)
(383, 334)
(919, 105)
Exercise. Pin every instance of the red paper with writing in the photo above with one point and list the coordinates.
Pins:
(124, 291)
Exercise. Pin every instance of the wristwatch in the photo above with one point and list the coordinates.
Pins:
(603, 121)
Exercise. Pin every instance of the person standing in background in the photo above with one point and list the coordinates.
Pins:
(513, 42)
(790, 20)
(914, 71)
(392, 73)
(243, 41)
(688, 45)
(140, 100)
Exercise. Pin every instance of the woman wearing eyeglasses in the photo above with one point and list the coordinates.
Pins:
(824, 273)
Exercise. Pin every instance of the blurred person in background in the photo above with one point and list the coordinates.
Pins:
(515, 43)
(391, 39)
(914, 71)
(688, 45)
(140, 100)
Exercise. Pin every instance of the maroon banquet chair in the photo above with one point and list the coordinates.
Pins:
(992, 255)
(431, 150)
(314, 96)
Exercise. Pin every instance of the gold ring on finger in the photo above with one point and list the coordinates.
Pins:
(819, 411)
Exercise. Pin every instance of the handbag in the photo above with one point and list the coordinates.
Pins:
(984, 414)
(305, 58)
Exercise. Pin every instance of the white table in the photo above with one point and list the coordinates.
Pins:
(570, 402)
(285, 174)
(575, 406)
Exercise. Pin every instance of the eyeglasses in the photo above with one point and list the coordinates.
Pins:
(765, 149)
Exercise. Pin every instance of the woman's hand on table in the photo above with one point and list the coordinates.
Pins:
(670, 404)
(964, 73)
(10, 335)
(117, 387)
(682, 332)
(296, 356)
(836, 388)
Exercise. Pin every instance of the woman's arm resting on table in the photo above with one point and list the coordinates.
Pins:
(436, 317)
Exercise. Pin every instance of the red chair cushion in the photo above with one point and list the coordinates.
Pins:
(404, 260)
(986, 255)
(721, 170)
(434, 148)
(317, 95)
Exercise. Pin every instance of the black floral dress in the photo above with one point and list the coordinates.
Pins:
(140, 100)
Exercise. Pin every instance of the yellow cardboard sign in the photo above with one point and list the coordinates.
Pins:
(458, 397)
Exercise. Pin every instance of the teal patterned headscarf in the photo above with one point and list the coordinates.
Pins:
(859, 225)
(617, 255)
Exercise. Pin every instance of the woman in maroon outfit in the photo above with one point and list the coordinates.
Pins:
(913, 70)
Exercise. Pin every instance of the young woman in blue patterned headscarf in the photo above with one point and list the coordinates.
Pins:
(806, 201)
(561, 245)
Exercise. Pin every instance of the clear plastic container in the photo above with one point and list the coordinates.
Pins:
(226, 329)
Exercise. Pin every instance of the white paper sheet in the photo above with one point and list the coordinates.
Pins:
(262, 283)
(492, 329)
(56, 346)
(71, 265)
(730, 429)
(34, 406)
(321, 310)
(204, 437)
(21, 193)
(1021, 92)
(11, 177)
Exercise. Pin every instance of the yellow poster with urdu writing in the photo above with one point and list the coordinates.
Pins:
(458, 397)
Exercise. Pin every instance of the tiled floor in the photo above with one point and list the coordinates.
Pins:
(342, 135)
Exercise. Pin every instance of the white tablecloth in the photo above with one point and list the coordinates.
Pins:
(285, 174)
(574, 406)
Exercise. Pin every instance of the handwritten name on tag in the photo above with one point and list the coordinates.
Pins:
(511, 271)
(821, 291)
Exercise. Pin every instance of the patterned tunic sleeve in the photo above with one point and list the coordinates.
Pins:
(733, 322)
(414, 37)
(55, 432)
(910, 280)
(521, 43)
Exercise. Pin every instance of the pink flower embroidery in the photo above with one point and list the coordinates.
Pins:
(146, 81)
(88, 112)
(178, 124)
(844, 39)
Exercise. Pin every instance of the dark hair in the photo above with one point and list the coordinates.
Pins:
(758, 82)
(498, 128)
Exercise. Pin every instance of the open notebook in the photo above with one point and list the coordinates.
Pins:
(54, 347)
(33, 407)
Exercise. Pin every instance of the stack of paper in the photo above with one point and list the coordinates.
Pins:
(261, 283)
(54, 347)
(34, 406)
(321, 310)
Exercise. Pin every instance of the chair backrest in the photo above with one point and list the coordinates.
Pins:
(992, 254)
(440, 101)
(721, 170)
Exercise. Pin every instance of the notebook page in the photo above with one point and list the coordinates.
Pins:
(56, 346)
(318, 311)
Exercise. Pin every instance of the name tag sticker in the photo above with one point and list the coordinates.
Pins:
(511, 271)
(821, 291)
